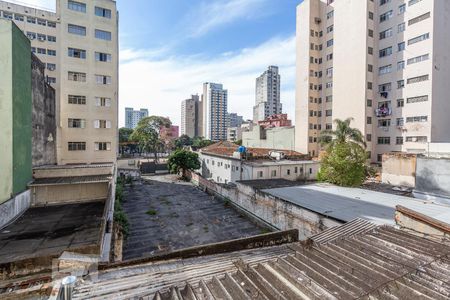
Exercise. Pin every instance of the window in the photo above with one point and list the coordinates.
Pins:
(102, 101)
(385, 70)
(77, 123)
(370, 33)
(399, 140)
(296, 170)
(330, 14)
(417, 119)
(369, 103)
(401, 46)
(76, 6)
(369, 85)
(419, 18)
(418, 59)
(330, 28)
(369, 120)
(330, 43)
(399, 121)
(417, 99)
(386, 16)
(400, 102)
(41, 37)
(18, 17)
(41, 51)
(103, 35)
(416, 139)
(382, 2)
(102, 57)
(107, 124)
(370, 50)
(400, 65)
(369, 68)
(370, 15)
(384, 123)
(7, 15)
(419, 38)
(402, 9)
(260, 174)
(77, 53)
(31, 35)
(51, 24)
(273, 173)
(42, 22)
(418, 79)
(400, 84)
(103, 12)
(51, 79)
(379, 157)
(329, 72)
(329, 112)
(77, 99)
(384, 140)
(51, 67)
(401, 27)
(288, 172)
(31, 20)
(412, 2)
(385, 87)
(78, 30)
(386, 52)
(329, 56)
(51, 38)
(77, 146)
(77, 76)
(103, 79)
(368, 137)
(385, 34)
(329, 85)
(329, 98)
(51, 52)
(102, 146)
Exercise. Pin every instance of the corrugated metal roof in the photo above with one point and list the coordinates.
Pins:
(346, 204)
(384, 263)
(346, 230)
(71, 180)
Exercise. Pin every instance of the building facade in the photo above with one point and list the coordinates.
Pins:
(279, 120)
(190, 116)
(384, 63)
(132, 117)
(79, 45)
(215, 111)
(267, 100)
(280, 138)
(235, 120)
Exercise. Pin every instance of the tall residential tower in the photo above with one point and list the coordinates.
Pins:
(190, 116)
(383, 63)
(267, 95)
(132, 117)
(215, 111)
(79, 45)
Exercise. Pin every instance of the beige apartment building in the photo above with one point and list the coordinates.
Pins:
(385, 63)
(190, 116)
(79, 45)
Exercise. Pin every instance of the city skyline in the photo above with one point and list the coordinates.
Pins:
(181, 65)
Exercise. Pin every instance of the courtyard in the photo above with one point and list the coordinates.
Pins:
(167, 214)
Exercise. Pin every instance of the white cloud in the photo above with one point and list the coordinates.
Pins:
(212, 14)
(161, 85)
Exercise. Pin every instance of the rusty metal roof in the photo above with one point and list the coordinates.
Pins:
(384, 263)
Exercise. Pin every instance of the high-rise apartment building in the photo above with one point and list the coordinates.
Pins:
(267, 95)
(235, 120)
(215, 111)
(79, 45)
(132, 117)
(190, 116)
(383, 63)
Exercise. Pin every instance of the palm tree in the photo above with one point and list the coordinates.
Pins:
(343, 133)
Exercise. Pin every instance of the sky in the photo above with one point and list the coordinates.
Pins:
(168, 48)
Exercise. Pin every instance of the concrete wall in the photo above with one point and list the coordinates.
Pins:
(63, 194)
(432, 177)
(280, 138)
(72, 171)
(399, 169)
(43, 117)
(277, 212)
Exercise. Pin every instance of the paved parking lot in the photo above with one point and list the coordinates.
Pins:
(166, 214)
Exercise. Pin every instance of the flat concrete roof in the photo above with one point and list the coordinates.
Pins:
(346, 204)
(48, 231)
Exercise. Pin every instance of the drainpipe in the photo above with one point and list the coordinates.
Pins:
(68, 283)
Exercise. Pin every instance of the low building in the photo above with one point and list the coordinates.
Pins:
(223, 163)
(281, 138)
(234, 134)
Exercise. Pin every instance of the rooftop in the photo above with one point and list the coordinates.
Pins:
(48, 231)
(227, 149)
(346, 204)
(380, 263)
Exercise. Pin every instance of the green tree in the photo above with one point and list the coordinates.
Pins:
(124, 138)
(183, 160)
(147, 134)
(238, 142)
(182, 141)
(200, 142)
(345, 160)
